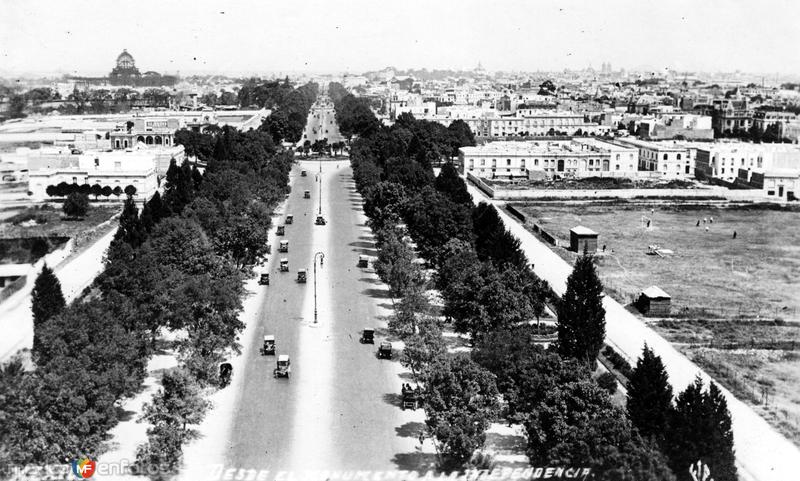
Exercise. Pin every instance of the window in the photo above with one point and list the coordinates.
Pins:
(665, 156)
(483, 161)
(522, 163)
(617, 167)
(508, 161)
(97, 162)
(770, 192)
(536, 162)
(617, 158)
(679, 157)
(74, 180)
(722, 171)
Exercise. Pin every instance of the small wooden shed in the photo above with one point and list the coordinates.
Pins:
(582, 238)
(654, 302)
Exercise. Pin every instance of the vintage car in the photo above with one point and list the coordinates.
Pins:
(385, 350)
(284, 265)
(412, 397)
(301, 276)
(283, 246)
(225, 371)
(289, 219)
(264, 279)
(303, 173)
(320, 220)
(306, 194)
(367, 336)
(268, 348)
(363, 261)
(283, 367)
(281, 230)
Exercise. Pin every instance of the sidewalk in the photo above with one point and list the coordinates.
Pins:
(16, 318)
(762, 453)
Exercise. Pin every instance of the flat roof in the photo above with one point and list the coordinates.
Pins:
(581, 230)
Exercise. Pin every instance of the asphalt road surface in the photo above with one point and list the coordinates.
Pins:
(321, 124)
(339, 410)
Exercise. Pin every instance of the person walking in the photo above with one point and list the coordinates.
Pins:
(698, 223)
(734, 234)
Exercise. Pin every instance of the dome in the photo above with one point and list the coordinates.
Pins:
(125, 60)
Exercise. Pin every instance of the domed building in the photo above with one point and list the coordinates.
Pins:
(125, 73)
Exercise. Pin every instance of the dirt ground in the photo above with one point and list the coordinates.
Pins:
(710, 274)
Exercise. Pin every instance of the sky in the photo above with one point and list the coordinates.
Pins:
(252, 37)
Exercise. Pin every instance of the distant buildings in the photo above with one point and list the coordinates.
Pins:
(126, 73)
(545, 159)
(671, 159)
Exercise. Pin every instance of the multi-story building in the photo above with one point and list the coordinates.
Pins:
(731, 115)
(672, 159)
(724, 160)
(532, 122)
(778, 184)
(538, 159)
(765, 119)
(664, 126)
(113, 169)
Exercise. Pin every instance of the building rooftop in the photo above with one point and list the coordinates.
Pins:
(655, 292)
(581, 230)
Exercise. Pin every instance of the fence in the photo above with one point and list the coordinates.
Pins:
(516, 213)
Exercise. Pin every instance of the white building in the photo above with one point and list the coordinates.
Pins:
(537, 159)
(725, 160)
(112, 169)
(671, 159)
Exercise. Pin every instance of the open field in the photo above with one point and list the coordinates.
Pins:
(766, 379)
(710, 274)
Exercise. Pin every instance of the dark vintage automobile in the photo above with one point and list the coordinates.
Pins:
(284, 265)
(264, 279)
(363, 261)
(301, 276)
(283, 246)
(303, 173)
(306, 194)
(283, 367)
(320, 220)
(412, 397)
(268, 348)
(225, 372)
(281, 230)
(385, 350)
(367, 336)
(289, 219)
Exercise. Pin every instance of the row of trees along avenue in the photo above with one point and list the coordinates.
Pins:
(177, 265)
(490, 293)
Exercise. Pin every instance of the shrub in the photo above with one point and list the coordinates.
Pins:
(76, 205)
(619, 362)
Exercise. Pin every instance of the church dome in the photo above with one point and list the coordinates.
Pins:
(125, 60)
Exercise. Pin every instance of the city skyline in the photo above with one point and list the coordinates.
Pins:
(245, 38)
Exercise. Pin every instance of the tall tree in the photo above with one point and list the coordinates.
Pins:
(581, 315)
(47, 301)
(130, 227)
(700, 430)
(650, 396)
(448, 182)
(460, 402)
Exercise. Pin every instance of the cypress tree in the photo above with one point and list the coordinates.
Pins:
(47, 301)
(450, 183)
(581, 315)
(650, 396)
(130, 227)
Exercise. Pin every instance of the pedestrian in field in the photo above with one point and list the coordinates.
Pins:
(604, 247)
(706, 228)
(698, 223)
(711, 220)
(734, 234)
(705, 220)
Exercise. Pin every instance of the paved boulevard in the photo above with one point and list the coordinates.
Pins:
(340, 408)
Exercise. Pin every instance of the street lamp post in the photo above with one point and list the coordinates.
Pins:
(320, 194)
(321, 257)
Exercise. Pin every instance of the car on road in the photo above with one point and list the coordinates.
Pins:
(264, 279)
(284, 265)
(306, 194)
(385, 350)
(281, 230)
(303, 173)
(225, 372)
(268, 348)
(301, 276)
(363, 261)
(367, 336)
(283, 246)
(320, 220)
(283, 367)
(289, 219)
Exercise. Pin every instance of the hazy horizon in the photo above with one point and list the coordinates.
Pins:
(314, 36)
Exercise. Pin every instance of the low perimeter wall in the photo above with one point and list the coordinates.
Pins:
(532, 194)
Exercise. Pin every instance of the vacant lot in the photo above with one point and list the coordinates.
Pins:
(710, 274)
(764, 378)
